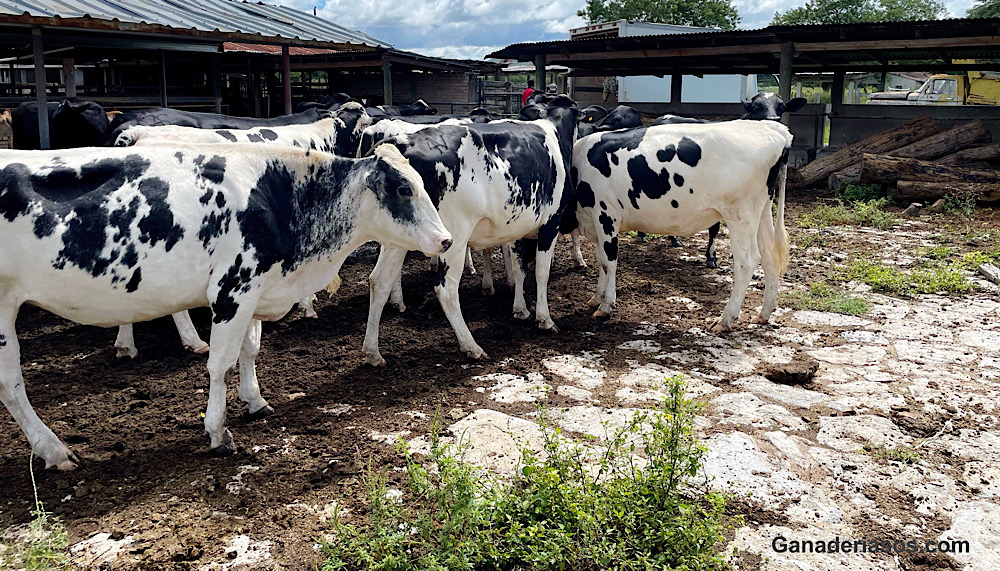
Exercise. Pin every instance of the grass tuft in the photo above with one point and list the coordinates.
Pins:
(863, 213)
(633, 506)
(822, 297)
(39, 546)
(895, 281)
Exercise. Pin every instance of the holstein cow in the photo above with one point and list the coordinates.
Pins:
(339, 135)
(492, 184)
(157, 116)
(71, 124)
(418, 107)
(679, 179)
(106, 236)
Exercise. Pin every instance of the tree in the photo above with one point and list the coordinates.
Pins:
(706, 13)
(985, 9)
(853, 11)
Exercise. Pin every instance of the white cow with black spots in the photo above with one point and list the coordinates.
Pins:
(679, 180)
(107, 236)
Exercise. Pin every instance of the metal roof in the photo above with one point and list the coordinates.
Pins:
(226, 16)
(847, 47)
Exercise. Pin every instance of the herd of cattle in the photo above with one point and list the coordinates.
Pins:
(156, 211)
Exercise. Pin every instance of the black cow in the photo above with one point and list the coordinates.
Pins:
(71, 124)
(418, 107)
(330, 102)
(157, 116)
(621, 117)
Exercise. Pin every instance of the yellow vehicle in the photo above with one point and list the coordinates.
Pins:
(977, 88)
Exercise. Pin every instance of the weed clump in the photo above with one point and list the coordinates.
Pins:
(823, 297)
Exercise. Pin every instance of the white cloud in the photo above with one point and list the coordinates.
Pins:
(457, 52)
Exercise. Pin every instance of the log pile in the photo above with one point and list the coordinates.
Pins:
(916, 161)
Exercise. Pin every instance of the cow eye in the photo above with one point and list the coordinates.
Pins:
(405, 190)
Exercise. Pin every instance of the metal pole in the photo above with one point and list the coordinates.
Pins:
(41, 98)
(386, 81)
(69, 75)
(163, 79)
(286, 78)
(540, 72)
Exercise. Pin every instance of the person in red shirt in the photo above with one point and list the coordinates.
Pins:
(527, 92)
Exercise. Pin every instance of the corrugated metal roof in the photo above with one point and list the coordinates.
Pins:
(273, 50)
(237, 16)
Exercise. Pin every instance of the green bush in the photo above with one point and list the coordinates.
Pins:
(862, 213)
(631, 506)
(822, 297)
(893, 280)
(860, 193)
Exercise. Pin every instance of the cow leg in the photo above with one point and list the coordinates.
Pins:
(675, 242)
(746, 256)
(185, 328)
(711, 260)
(519, 267)
(125, 342)
(607, 259)
(766, 240)
(396, 295)
(383, 278)
(306, 304)
(508, 263)
(249, 388)
(546, 247)
(227, 344)
(433, 266)
(44, 443)
(446, 287)
(469, 267)
(577, 254)
(488, 271)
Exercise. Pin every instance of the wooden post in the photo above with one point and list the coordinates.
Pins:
(163, 79)
(69, 77)
(837, 91)
(386, 81)
(253, 90)
(286, 77)
(785, 75)
(540, 72)
(40, 96)
(676, 85)
(881, 82)
(798, 89)
(215, 81)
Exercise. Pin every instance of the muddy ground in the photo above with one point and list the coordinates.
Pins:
(148, 479)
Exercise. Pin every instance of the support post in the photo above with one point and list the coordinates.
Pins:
(881, 81)
(837, 92)
(253, 90)
(785, 74)
(163, 79)
(540, 72)
(69, 77)
(286, 77)
(215, 81)
(386, 81)
(40, 96)
(676, 88)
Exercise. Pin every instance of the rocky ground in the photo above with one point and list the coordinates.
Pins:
(882, 427)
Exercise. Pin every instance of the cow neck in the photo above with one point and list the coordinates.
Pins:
(565, 123)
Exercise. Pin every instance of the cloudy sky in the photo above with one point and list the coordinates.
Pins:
(473, 28)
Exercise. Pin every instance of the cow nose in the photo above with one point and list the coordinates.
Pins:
(445, 244)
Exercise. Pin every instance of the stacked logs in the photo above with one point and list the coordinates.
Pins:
(917, 161)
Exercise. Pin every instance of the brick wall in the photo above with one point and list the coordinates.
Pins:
(408, 86)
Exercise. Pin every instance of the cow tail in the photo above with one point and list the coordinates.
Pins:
(781, 243)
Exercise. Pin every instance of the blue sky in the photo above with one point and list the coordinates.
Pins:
(473, 28)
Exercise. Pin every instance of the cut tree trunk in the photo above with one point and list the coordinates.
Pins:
(984, 153)
(885, 169)
(911, 190)
(909, 132)
(932, 147)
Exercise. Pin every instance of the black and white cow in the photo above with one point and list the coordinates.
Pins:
(680, 179)
(339, 134)
(107, 236)
(493, 184)
(418, 107)
(158, 116)
(768, 106)
(71, 124)
(329, 102)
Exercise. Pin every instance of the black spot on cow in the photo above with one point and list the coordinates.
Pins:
(601, 153)
(130, 258)
(772, 175)
(614, 158)
(674, 203)
(607, 223)
(236, 280)
(158, 225)
(688, 152)
(433, 153)
(121, 219)
(133, 283)
(611, 249)
(207, 196)
(646, 181)
(678, 180)
(585, 195)
(179, 156)
(603, 206)
(691, 190)
(3, 340)
(214, 170)
(442, 273)
(268, 134)
(666, 155)
(393, 192)
(255, 138)
(531, 168)
(296, 144)
(220, 199)
(227, 135)
(213, 225)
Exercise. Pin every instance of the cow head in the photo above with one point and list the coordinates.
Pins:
(405, 216)
(77, 124)
(481, 115)
(769, 106)
(592, 114)
(532, 112)
(422, 108)
(351, 121)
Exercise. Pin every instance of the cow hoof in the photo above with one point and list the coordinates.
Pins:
(66, 466)
(227, 448)
(203, 348)
(66, 461)
(548, 325)
(476, 354)
(312, 315)
(263, 412)
(489, 291)
(760, 320)
(130, 352)
(600, 314)
(712, 263)
(581, 265)
(400, 307)
(522, 314)
(375, 360)
(719, 328)
(594, 302)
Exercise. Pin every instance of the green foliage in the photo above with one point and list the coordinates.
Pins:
(935, 278)
(903, 454)
(822, 297)
(39, 546)
(852, 193)
(569, 507)
(853, 11)
(984, 9)
(706, 13)
(862, 213)
(962, 205)
(935, 252)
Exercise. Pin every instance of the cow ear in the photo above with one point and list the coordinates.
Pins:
(748, 105)
(795, 104)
